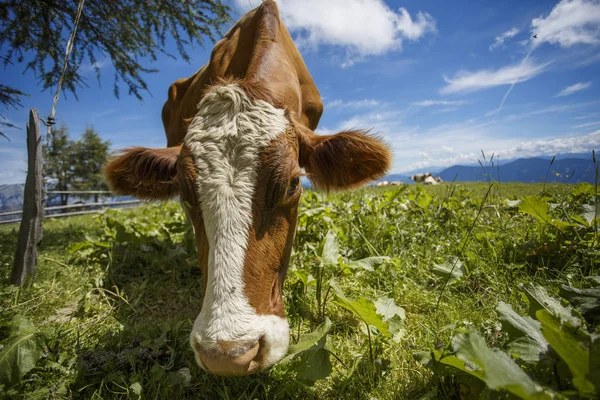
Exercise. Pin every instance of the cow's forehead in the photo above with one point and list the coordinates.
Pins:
(230, 129)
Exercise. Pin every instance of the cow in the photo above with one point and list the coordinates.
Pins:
(427, 179)
(431, 180)
(239, 132)
(420, 177)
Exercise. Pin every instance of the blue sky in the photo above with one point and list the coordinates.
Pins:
(438, 80)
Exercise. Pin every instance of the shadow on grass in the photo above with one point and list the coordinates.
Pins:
(162, 284)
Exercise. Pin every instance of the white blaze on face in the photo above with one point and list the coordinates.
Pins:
(225, 138)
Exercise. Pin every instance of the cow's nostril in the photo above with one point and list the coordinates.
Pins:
(229, 358)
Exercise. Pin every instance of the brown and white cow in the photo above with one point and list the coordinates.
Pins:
(239, 132)
(427, 179)
(421, 177)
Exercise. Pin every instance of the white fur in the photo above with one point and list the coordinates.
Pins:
(225, 139)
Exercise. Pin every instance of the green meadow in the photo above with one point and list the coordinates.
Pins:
(454, 291)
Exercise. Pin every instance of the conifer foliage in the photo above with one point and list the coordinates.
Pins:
(127, 33)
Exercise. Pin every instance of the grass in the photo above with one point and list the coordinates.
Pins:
(116, 294)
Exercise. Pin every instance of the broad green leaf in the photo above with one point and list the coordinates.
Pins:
(582, 188)
(423, 199)
(368, 263)
(498, 370)
(535, 206)
(365, 310)
(447, 364)
(595, 279)
(569, 347)
(586, 301)
(314, 364)
(453, 268)
(336, 287)
(311, 211)
(308, 341)
(450, 361)
(540, 208)
(331, 249)
(538, 298)
(580, 220)
(527, 341)
(528, 350)
(393, 316)
(306, 278)
(387, 308)
(362, 308)
(422, 357)
(21, 351)
(590, 212)
(393, 194)
(312, 354)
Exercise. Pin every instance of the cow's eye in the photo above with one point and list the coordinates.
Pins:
(293, 187)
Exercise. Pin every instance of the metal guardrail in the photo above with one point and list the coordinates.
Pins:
(98, 205)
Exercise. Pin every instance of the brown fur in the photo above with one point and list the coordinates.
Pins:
(343, 161)
(147, 174)
(259, 51)
(270, 239)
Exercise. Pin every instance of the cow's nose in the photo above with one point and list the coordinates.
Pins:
(228, 358)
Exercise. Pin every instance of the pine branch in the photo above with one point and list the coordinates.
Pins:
(129, 33)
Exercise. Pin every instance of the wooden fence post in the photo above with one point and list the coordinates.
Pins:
(30, 232)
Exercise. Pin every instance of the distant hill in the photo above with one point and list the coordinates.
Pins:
(11, 197)
(528, 170)
(395, 177)
(437, 169)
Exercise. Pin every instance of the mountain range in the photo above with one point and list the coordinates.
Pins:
(527, 170)
(11, 197)
(566, 168)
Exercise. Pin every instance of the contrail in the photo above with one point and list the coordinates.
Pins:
(514, 83)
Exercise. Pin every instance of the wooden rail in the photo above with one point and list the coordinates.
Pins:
(79, 192)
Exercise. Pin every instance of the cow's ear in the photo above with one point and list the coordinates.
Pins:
(344, 160)
(148, 174)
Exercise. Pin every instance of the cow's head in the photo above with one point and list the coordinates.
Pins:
(237, 172)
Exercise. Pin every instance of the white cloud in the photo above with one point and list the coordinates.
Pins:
(341, 104)
(574, 88)
(100, 64)
(466, 81)
(507, 148)
(570, 22)
(445, 110)
(429, 103)
(503, 37)
(415, 147)
(556, 109)
(586, 116)
(561, 145)
(361, 27)
(588, 124)
(104, 113)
